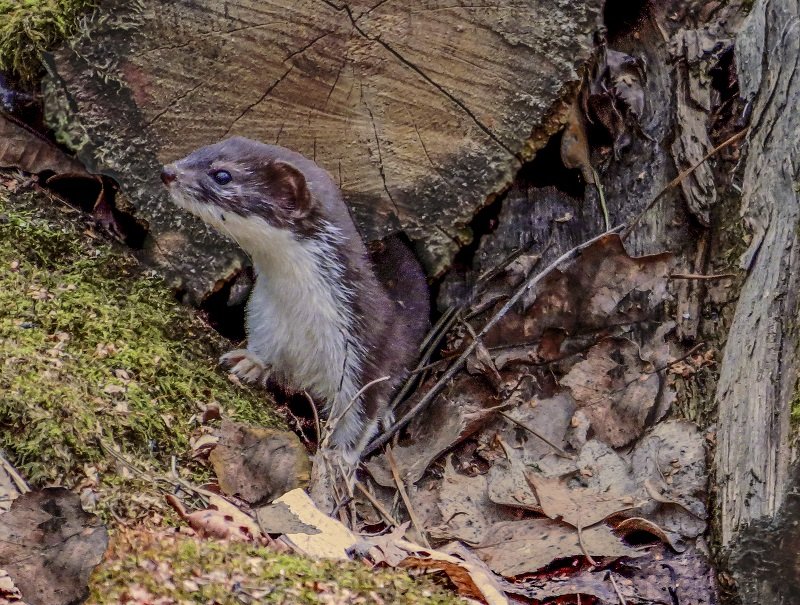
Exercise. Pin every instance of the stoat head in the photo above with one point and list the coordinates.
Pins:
(237, 183)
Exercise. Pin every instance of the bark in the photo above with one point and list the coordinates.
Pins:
(757, 385)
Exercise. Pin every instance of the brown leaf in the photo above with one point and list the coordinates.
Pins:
(616, 390)
(25, 149)
(507, 484)
(470, 575)
(49, 546)
(258, 464)
(603, 287)
(666, 578)
(637, 524)
(579, 506)
(385, 549)
(467, 512)
(221, 520)
(517, 547)
(455, 415)
(615, 96)
(670, 461)
(9, 593)
(584, 582)
(481, 363)
(575, 144)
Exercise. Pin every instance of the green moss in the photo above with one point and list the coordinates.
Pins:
(30, 27)
(94, 350)
(225, 573)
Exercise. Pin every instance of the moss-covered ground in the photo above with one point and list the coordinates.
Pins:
(30, 27)
(143, 567)
(96, 358)
(96, 355)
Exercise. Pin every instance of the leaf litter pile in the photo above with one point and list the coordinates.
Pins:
(543, 468)
(534, 459)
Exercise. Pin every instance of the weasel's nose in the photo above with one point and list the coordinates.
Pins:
(168, 175)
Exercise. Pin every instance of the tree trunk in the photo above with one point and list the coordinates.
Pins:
(756, 471)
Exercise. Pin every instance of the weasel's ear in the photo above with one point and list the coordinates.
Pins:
(287, 184)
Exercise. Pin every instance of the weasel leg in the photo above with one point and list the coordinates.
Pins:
(246, 366)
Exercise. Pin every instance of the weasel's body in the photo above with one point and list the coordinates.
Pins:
(318, 317)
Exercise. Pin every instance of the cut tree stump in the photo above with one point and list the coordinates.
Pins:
(421, 110)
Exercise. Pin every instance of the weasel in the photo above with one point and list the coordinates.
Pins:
(322, 316)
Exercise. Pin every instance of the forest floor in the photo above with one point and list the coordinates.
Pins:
(104, 387)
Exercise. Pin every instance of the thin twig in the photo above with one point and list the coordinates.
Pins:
(557, 449)
(602, 195)
(334, 420)
(622, 600)
(700, 276)
(583, 547)
(314, 411)
(22, 487)
(679, 179)
(401, 488)
(433, 364)
(437, 328)
(447, 376)
(503, 264)
(686, 355)
(378, 506)
(428, 347)
(299, 426)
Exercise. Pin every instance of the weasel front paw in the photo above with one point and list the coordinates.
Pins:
(246, 366)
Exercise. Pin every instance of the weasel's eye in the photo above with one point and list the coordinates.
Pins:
(221, 177)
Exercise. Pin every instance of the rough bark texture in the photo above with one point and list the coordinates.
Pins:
(421, 110)
(758, 378)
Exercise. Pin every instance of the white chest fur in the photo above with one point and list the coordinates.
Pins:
(298, 316)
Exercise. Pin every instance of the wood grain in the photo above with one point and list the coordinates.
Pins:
(420, 110)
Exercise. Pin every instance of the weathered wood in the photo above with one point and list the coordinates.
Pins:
(421, 110)
(758, 381)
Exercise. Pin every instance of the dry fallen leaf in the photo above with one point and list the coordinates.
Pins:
(22, 147)
(670, 463)
(329, 540)
(466, 510)
(577, 505)
(616, 389)
(602, 287)
(470, 575)
(517, 547)
(49, 546)
(456, 414)
(258, 464)
(221, 520)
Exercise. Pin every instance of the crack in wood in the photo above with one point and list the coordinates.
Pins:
(172, 103)
(336, 81)
(367, 12)
(427, 155)
(307, 46)
(399, 57)
(247, 109)
(380, 156)
(452, 238)
(785, 101)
